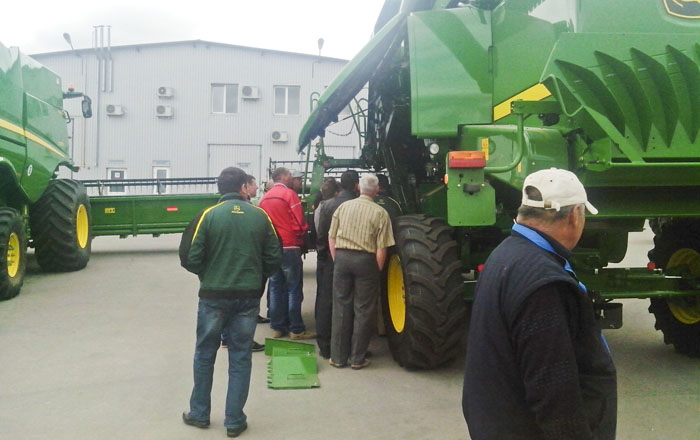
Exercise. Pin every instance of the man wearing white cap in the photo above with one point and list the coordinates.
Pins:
(537, 364)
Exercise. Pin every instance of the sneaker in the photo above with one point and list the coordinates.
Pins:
(262, 320)
(194, 422)
(278, 334)
(360, 366)
(235, 432)
(303, 335)
(335, 364)
(257, 347)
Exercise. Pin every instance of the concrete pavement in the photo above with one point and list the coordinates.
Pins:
(106, 353)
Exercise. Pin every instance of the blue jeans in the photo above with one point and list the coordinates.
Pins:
(286, 294)
(237, 319)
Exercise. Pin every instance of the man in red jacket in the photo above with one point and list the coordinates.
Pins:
(284, 208)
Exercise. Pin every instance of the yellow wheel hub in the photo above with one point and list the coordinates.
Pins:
(685, 309)
(82, 226)
(13, 255)
(396, 294)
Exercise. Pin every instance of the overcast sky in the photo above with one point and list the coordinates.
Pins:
(37, 26)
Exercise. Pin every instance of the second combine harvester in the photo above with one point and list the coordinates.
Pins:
(465, 99)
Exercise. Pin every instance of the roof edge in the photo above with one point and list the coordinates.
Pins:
(192, 42)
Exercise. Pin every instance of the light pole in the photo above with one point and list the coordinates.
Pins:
(66, 36)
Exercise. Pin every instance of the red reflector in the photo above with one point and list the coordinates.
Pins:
(480, 267)
(171, 208)
(651, 265)
(466, 159)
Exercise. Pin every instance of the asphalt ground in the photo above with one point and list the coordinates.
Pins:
(106, 353)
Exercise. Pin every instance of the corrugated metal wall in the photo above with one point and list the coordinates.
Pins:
(194, 142)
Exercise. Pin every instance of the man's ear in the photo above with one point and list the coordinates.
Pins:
(575, 215)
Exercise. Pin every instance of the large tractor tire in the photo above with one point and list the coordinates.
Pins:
(677, 244)
(61, 225)
(423, 303)
(13, 249)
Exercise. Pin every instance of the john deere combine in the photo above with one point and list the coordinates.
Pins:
(54, 215)
(33, 145)
(467, 98)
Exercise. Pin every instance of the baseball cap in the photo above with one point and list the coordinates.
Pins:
(297, 174)
(559, 188)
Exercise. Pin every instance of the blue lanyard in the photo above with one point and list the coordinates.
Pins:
(540, 242)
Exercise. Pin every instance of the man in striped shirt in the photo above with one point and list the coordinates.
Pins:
(358, 239)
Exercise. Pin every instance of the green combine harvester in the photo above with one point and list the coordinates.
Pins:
(55, 216)
(465, 99)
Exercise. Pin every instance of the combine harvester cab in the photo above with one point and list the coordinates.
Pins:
(52, 215)
(464, 101)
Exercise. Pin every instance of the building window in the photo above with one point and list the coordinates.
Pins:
(161, 173)
(224, 98)
(116, 174)
(287, 100)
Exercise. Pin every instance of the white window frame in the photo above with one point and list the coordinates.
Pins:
(155, 176)
(224, 86)
(286, 101)
(110, 190)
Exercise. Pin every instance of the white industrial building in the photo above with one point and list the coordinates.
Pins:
(192, 108)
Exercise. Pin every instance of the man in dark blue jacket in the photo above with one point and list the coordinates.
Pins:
(537, 364)
(234, 248)
(350, 185)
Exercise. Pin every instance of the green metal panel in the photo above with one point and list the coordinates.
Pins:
(544, 148)
(138, 215)
(293, 365)
(470, 200)
(33, 136)
(635, 16)
(47, 137)
(449, 56)
(522, 45)
(12, 141)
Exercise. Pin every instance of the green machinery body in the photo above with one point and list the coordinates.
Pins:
(609, 90)
(33, 136)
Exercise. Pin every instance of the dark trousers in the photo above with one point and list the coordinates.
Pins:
(324, 305)
(355, 290)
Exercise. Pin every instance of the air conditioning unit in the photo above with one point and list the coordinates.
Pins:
(114, 110)
(250, 92)
(164, 111)
(279, 136)
(165, 92)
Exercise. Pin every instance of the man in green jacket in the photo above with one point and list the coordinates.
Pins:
(234, 248)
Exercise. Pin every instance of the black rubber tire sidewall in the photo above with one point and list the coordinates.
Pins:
(674, 235)
(53, 221)
(435, 308)
(11, 221)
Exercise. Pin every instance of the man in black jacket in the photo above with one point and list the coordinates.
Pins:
(233, 248)
(537, 364)
(350, 185)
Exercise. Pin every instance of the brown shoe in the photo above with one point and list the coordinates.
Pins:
(303, 335)
(278, 334)
(360, 366)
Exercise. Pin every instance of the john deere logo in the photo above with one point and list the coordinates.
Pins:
(683, 8)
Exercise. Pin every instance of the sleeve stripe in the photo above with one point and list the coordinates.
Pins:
(201, 219)
(269, 220)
